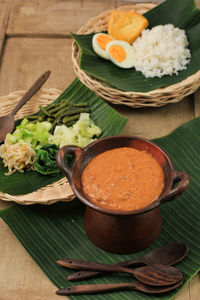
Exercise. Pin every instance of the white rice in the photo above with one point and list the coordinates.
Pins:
(161, 51)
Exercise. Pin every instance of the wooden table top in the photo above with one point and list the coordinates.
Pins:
(34, 37)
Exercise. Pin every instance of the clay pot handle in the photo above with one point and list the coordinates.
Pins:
(183, 181)
(61, 155)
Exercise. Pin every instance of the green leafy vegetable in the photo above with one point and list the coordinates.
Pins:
(45, 162)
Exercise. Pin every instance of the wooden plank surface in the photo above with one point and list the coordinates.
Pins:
(32, 57)
(4, 16)
(41, 17)
(38, 39)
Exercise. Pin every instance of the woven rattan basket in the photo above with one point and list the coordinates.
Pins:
(155, 98)
(58, 191)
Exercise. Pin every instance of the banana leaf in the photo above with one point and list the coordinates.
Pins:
(56, 232)
(109, 120)
(181, 13)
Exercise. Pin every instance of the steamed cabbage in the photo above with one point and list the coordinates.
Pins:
(82, 133)
(35, 134)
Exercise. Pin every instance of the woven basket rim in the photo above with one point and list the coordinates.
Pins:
(52, 193)
(165, 95)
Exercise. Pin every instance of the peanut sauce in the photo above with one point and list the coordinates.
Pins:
(123, 179)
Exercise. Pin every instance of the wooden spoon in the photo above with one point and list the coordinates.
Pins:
(7, 122)
(165, 255)
(102, 288)
(153, 275)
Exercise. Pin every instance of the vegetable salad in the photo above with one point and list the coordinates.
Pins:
(44, 133)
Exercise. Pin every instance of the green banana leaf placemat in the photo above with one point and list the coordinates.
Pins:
(107, 118)
(55, 232)
(181, 13)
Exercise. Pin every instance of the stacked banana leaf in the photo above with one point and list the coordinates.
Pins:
(57, 231)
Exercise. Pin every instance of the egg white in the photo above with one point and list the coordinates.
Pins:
(102, 53)
(129, 61)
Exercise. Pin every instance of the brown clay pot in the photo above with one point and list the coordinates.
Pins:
(122, 231)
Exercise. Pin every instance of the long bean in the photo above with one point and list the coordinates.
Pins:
(70, 123)
(62, 111)
(34, 117)
(51, 120)
(65, 112)
(44, 111)
(76, 110)
(41, 118)
(51, 106)
(53, 126)
(69, 119)
(59, 106)
(80, 104)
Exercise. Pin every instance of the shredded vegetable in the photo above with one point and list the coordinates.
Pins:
(17, 157)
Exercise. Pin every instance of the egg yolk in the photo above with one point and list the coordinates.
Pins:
(103, 40)
(117, 52)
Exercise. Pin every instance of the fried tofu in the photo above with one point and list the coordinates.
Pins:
(128, 27)
(114, 19)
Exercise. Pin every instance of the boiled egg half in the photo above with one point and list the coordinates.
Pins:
(121, 54)
(99, 43)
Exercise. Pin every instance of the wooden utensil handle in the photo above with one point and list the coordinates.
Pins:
(33, 89)
(95, 288)
(100, 288)
(90, 274)
(93, 266)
